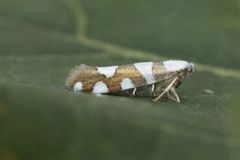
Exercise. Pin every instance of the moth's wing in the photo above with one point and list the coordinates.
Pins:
(74, 74)
(121, 93)
(79, 68)
(144, 91)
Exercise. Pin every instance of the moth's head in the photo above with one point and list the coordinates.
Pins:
(190, 68)
(179, 65)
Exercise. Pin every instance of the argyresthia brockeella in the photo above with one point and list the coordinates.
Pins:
(163, 78)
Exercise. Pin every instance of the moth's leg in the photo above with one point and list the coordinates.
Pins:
(153, 89)
(165, 90)
(172, 94)
(134, 91)
(157, 90)
(173, 90)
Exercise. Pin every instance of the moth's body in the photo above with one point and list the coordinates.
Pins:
(114, 79)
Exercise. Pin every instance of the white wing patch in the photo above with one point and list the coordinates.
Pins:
(175, 65)
(145, 68)
(127, 84)
(107, 71)
(77, 86)
(100, 87)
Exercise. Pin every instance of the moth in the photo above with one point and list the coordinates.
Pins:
(162, 77)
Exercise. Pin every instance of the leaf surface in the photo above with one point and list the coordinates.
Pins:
(42, 40)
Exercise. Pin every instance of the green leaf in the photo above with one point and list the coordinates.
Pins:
(42, 40)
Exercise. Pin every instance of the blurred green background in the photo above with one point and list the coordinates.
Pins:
(40, 41)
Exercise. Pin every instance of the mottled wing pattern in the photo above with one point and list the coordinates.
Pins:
(120, 78)
(84, 76)
(163, 78)
(113, 78)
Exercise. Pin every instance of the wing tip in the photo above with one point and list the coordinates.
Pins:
(72, 78)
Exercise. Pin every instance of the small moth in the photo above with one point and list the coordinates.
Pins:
(163, 78)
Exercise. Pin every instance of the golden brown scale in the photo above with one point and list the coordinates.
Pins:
(88, 75)
(126, 71)
(159, 72)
